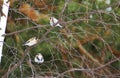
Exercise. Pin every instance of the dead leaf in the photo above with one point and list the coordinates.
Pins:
(29, 11)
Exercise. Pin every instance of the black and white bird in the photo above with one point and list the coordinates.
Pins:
(32, 41)
(39, 58)
(53, 21)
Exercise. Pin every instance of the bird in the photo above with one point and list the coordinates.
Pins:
(39, 58)
(53, 21)
(32, 41)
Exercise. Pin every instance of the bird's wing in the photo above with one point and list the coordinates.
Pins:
(55, 20)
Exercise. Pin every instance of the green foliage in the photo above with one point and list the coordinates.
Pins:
(73, 6)
(60, 47)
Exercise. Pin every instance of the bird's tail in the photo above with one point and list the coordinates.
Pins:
(60, 26)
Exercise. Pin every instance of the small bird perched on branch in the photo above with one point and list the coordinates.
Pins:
(32, 41)
(39, 58)
(54, 21)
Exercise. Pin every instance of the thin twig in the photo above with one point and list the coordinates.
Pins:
(19, 31)
(73, 69)
(26, 52)
(102, 66)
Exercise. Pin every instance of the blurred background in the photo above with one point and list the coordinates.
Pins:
(88, 45)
